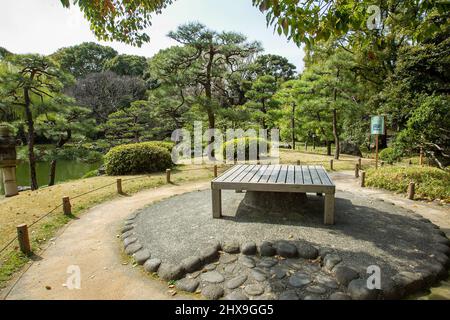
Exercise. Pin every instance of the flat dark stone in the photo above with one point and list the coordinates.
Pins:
(289, 295)
(409, 282)
(129, 240)
(358, 290)
(331, 260)
(254, 289)
(132, 248)
(266, 250)
(236, 295)
(307, 251)
(299, 280)
(267, 262)
(258, 275)
(340, 296)
(191, 264)
(345, 274)
(286, 250)
(169, 272)
(187, 284)
(316, 289)
(247, 262)
(213, 292)
(236, 282)
(209, 254)
(213, 277)
(141, 256)
(248, 248)
(152, 265)
(227, 258)
(230, 247)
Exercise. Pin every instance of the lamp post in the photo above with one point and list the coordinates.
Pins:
(8, 161)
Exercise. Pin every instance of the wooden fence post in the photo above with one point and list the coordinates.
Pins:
(360, 163)
(168, 175)
(411, 190)
(24, 239)
(331, 165)
(119, 186)
(215, 171)
(298, 162)
(356, 170)
(363, 179)
(67, 207)
(421, 157)
(382, 163)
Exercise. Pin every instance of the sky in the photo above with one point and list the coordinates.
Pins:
(43, 26)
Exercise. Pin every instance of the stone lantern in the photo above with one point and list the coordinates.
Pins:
(8, 161)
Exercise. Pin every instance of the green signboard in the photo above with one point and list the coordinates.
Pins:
(377, 125)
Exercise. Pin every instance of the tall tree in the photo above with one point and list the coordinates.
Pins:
(83, 59)
(127, 65)
(273, 65)
(32, 83)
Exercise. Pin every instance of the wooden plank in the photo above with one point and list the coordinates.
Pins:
(282, 175)
(251, 173)
(306, 175)
(323, 175)
(236, 173)
(227, 173)
(259, 174)
(265, 177)
(274, 175)
(275, 187)
(243, 173)
(290, 177)
(298, 175)
(314, 175)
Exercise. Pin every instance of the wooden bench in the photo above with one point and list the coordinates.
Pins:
(275, 178)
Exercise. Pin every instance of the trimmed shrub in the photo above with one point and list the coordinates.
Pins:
(390, 155)
(431, 183)
(137, 158)
(248, 141)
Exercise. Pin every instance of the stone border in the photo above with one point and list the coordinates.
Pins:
(402, 284)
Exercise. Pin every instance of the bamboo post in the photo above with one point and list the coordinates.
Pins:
(168, 175)
(119, 186)
(363, 179)
(331, 165)
(411, 190)
(24, 239)
(215, 171)
(67, 207)
(356, 170)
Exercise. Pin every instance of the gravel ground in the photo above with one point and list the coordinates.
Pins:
(367, 232)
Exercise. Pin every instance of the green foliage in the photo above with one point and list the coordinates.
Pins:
(431, 183)
(146, 157)
(273, 65)
(390, 155)
(90, 174)
(247, 143)
(127, 65)
(83, 59)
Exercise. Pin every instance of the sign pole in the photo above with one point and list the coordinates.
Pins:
(376, 151)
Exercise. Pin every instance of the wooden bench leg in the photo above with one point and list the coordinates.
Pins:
(216, 203)
(329, 209)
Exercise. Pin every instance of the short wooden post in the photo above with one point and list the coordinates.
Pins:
(298, 162)
(168, 175)
(119, 186)
(360, 163)
(331, 165)
(411, 190)
(356, 170)
(67, 207)
(24, 239)
(363, 179)
(409, 162)
(215, 171)
(382, 163)
(421, 157)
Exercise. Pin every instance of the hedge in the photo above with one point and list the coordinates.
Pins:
(137, 158)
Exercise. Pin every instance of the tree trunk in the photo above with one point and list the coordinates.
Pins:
(293, 126)
(336, 135)
(51, 180)
(328, 142)
(30, 140)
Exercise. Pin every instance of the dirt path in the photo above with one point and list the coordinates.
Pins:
(91, 243)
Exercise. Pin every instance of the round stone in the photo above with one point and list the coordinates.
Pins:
(236, 295)
(230, 246)
(191, 264)
(247, 261)
(279, 272)
(307, 251)
(128, 241)
(210, 267)
(169, 272)
(311, 268)
(286, 250)
(127, 234)
(289, 295)
(248, 248)
(312, 297)
(340, 296)
(409, 282)
(213, 292)
(331, 260)
(316, 289)
(258, 275)
(267, 263)
(212, 277)
(254, 289)
(152, 265)
(141, 256)
(209, 254)
(127, 228)
(236, 282)
(266, 249)
(299, 280)
(358, 290)
(132, 248)
(345, 274)
(324, 251)
(327, 281)
(227, 258)
(187, 284)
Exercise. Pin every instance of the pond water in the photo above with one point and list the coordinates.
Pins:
(65, 170)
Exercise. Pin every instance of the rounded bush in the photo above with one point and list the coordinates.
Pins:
(137, 158)
(390, 155)
(248, 141)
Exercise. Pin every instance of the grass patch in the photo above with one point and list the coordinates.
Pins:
(431, 183)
